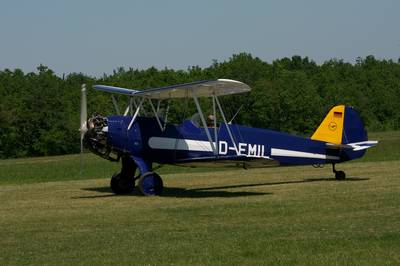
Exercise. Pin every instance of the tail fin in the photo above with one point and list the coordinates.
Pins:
(342, 125)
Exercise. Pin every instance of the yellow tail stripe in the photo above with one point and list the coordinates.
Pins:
(331, 128)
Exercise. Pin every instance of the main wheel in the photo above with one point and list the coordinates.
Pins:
(122, 185)
(150, 184)
(340, 175)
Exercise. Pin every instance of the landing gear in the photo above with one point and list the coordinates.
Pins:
(150, 184)
(339, 175)
(124, 182)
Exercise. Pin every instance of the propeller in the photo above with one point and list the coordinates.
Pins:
(83, 129)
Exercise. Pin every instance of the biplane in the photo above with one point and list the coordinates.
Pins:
(139, 140)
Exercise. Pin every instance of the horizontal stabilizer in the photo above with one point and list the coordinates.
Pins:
(356, 146)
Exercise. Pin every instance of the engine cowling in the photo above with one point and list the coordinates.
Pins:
(95, 139)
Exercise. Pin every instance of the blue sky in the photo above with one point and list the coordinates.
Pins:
(95, 37)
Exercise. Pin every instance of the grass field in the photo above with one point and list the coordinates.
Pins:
(50, 213)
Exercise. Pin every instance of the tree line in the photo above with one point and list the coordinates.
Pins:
(39, 112)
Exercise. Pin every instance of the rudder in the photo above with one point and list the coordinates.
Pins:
(353, 130)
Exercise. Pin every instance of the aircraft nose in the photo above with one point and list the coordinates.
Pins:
(95, 136)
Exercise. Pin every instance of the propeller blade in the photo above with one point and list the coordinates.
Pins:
(81, 157)
(83, 129)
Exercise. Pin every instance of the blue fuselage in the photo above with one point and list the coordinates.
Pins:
(188, 144)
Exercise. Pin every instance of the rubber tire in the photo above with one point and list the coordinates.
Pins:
(150, 184)
(120, 185)
(340, 175)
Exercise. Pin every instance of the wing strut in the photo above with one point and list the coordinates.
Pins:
(204, 122)
(166, 116)
(115, 104)
(215, 126)
(226, 124)
(136, 113)
(155, 114)
(129, 107)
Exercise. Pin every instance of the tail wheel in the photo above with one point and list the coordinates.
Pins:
(340, 175)
(150, 184)
(122, 185)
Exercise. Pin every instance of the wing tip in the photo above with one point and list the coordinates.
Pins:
(113, 89)
(230, 80)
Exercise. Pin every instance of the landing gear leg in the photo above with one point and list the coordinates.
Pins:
(150, 184)
(124, 181)
(339, 175)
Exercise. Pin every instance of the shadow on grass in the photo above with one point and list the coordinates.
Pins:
(307, 180)
(208, 192)
(348, 179)
(176, 193)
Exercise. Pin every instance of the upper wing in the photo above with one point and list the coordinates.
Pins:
(115, 89)
(206, 88)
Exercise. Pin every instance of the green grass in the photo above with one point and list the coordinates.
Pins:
(52, 214)
(388, 147)
(69, 167)
(276, 216)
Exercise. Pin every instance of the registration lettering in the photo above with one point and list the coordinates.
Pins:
(243, 149)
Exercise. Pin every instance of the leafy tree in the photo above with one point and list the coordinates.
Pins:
(39, 111)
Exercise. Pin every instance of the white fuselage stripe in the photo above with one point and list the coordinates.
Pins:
(179, 144)
(205, 146)
(301, 154)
